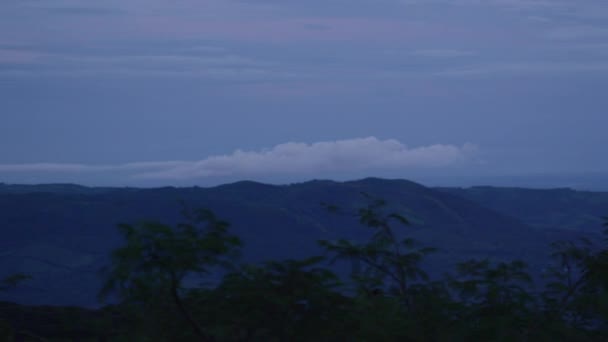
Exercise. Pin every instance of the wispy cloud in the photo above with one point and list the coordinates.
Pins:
(353, 155)
(209, 64)
(86, 11)
(525, 68)
(307, 37)
(578, 32)
(76, 168)
(17, 56)
(517, 4)
(512, 4)
(443, 53)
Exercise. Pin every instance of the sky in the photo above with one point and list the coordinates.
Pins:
(183, 92)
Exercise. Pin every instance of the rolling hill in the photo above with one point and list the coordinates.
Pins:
(62, 234)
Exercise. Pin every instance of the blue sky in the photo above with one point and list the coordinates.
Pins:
(134, 92)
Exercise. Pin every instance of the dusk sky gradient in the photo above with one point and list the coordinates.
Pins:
(151, 92)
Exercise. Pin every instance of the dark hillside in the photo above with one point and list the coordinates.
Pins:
(62, 238)
(562, 209)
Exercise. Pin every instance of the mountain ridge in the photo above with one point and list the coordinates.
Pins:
(76, 226)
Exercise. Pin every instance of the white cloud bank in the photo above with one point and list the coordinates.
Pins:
(352, 155)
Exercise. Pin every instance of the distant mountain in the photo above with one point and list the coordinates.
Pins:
(51, 188)
(62, 234)
(585, 181)
(551, 209)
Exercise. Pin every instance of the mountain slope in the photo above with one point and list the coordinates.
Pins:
(62, 238)
(550, 209)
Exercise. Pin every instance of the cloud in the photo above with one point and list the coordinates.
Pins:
(76, 168)
(526, 69)
(442, 53)
(578, 32)
(17, 56)
(207, 64)
(86, 11)
(353, 155)
(519, 4)
(513, 4)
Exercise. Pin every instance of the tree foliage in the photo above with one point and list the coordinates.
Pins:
(184, 282)
(12, 281)
(394, 299)
(151, 268)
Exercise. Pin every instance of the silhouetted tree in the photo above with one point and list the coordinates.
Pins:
(157, 258)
